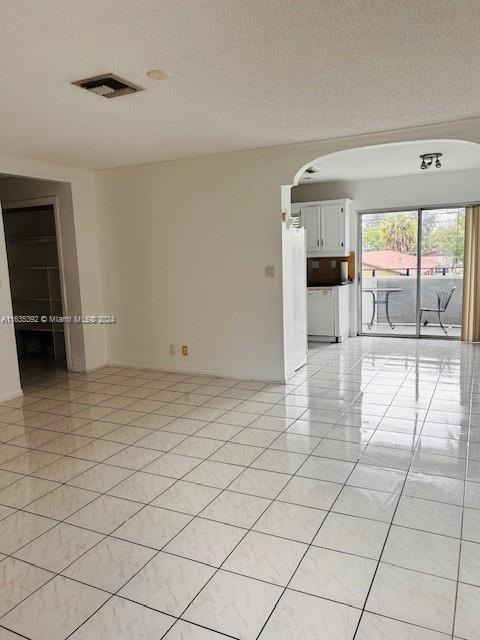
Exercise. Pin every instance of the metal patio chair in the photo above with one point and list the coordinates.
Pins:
(443, 298)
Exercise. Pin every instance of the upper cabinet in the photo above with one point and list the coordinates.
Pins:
(310, 219)
(327, 226)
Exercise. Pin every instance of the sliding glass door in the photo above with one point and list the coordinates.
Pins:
(389, 272)
(441, 272)
(411, 272)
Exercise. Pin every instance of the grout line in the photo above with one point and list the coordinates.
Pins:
(460, 550)
(311, 543)
(279, 403)
(55, 574)
(392, 520)
(178, 532)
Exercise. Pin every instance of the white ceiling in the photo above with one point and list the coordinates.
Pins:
(245, 73)
(399, 159)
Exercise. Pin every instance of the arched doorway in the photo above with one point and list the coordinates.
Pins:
(389, 178)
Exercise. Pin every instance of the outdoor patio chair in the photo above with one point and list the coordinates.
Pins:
(443, 298)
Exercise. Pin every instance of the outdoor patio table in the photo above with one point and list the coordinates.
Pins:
(381, 295)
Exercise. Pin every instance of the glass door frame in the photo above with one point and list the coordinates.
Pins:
(419, 211)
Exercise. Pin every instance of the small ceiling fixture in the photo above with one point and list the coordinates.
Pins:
(108, 85)
(428, 158)
(307, 174)
(158, 74)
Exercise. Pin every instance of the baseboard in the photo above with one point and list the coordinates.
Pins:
(12, 396)
(218, 373)
(95, 369)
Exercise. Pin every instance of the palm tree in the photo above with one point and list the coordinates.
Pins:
(396, 231)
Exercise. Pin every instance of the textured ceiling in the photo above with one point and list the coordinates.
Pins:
(245, 73)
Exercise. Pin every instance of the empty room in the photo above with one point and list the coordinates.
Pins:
(239, 320)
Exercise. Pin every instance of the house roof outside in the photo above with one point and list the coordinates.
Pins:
(397, 261)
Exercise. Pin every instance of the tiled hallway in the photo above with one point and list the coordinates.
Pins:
(346, 504)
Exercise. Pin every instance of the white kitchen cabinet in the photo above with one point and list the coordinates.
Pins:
(311, 224)
(333, 229)
(327, 226)
(328, 312)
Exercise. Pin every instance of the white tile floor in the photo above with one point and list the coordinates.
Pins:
(345, 504)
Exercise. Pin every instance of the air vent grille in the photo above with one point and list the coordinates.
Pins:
(108, 85)
(296, 220)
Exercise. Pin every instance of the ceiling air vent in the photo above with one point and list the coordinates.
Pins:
(108, 85)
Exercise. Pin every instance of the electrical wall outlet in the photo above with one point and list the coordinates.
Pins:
(172, 349)
(333, 264)
(184, 350)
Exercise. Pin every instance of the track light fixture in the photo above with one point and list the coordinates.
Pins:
(428, 158)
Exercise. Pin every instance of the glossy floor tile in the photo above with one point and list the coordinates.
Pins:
(344, 504)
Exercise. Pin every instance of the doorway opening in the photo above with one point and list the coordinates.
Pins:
(40, 272)
(36, 283)
(411, 272)
(375, 179)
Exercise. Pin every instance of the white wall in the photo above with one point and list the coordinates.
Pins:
(425, 189)
(84, 227)
(184, 244)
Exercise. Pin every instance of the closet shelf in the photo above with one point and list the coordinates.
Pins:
(37, 299)
(33, 239)
(40, 268)
(40, 328)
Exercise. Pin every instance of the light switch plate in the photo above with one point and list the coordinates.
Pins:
(269, 271)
